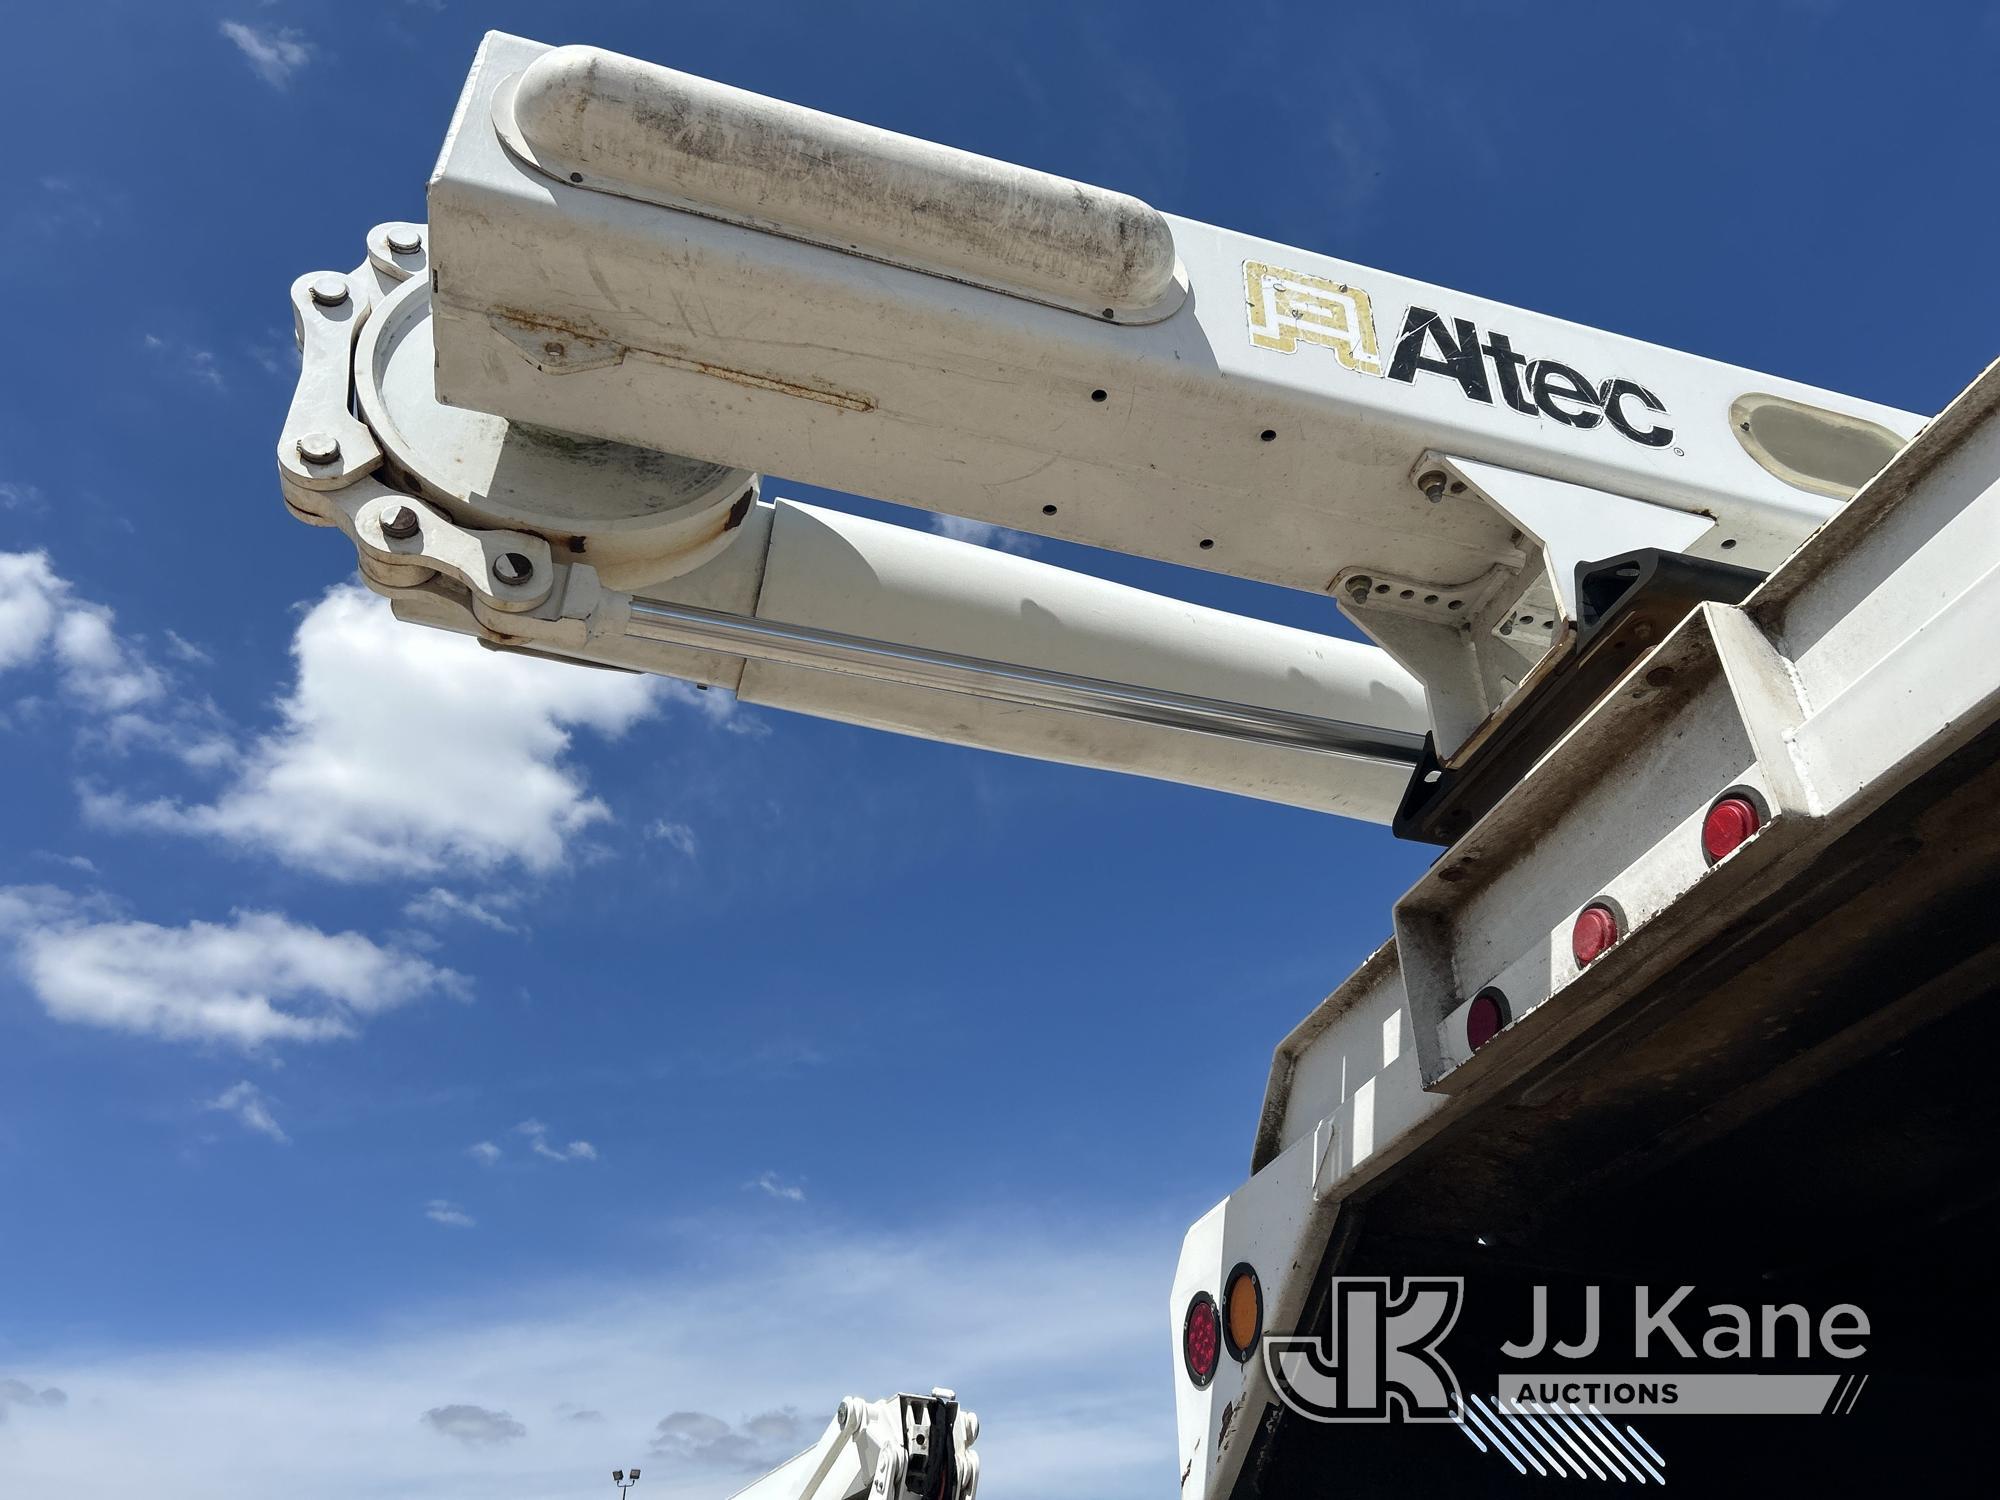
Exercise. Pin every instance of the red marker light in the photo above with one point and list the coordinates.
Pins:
(1595, 931)
(1201, 1339)
(1484, 1018)
(1728, 824)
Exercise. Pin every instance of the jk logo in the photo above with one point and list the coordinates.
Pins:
(1382, 1355)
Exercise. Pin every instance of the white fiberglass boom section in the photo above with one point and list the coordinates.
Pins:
(602, 553)
(632, 253)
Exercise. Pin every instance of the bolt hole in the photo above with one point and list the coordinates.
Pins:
(1458, 487)
(1207, 542)
(1527, 619)
(1430, 598)
(576, 177)
(1407, 594)
(1728, 542)
(1381, 588)
(1109, 313)
(1456, 604)
(1097, 395)
(1268, 435)
(1048, 510)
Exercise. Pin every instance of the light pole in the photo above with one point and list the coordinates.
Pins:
(624, 1481)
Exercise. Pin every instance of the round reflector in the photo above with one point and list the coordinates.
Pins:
(1201, 1340)
(1595, 931)
(1485, 1017)
(1243, 1313)
(1728, 824)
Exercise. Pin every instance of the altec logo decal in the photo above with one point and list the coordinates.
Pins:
(1288, 308)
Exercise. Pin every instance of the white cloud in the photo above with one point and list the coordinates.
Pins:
(444, 1211)
(197, 364)
(538, 1142)
(438, 906)
(981, 533)
(273, 53)
(187, 651)
(81, 862)
(252, 1107)
(775, 1186)
(405, 752)
(474, 1426)
(255, 980)
(675, 835)
(22, 497)
(108, 675)
(42, 618)
(1057, 1338)
(483, 1152)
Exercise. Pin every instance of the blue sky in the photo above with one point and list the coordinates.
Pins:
(423, 1074)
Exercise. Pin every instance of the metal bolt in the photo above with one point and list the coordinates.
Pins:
(1432, 484)
(406, 239)
(319, 447)
(400, 524)
(513, 568)
(329, 291)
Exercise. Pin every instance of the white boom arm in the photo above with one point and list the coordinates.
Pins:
(904, 1448)
(515, 534)
(629, 252)
(626, 265)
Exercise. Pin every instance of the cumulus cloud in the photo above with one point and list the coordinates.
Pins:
(45, 622)
(538, 1142)
(43, 618)
(981, 533)
(406, 752)
(255, 980)
(275, 54)
(251, 1107)
(483, 1152)
(18, 1393)
(771, 1184)
(761, 1442)
(474, 1426)
(444, 1211)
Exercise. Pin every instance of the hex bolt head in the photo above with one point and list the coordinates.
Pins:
(406, 239)
(1432, 484)
(319, 447)
(329, 290)
(400, 524)
(513, 568)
